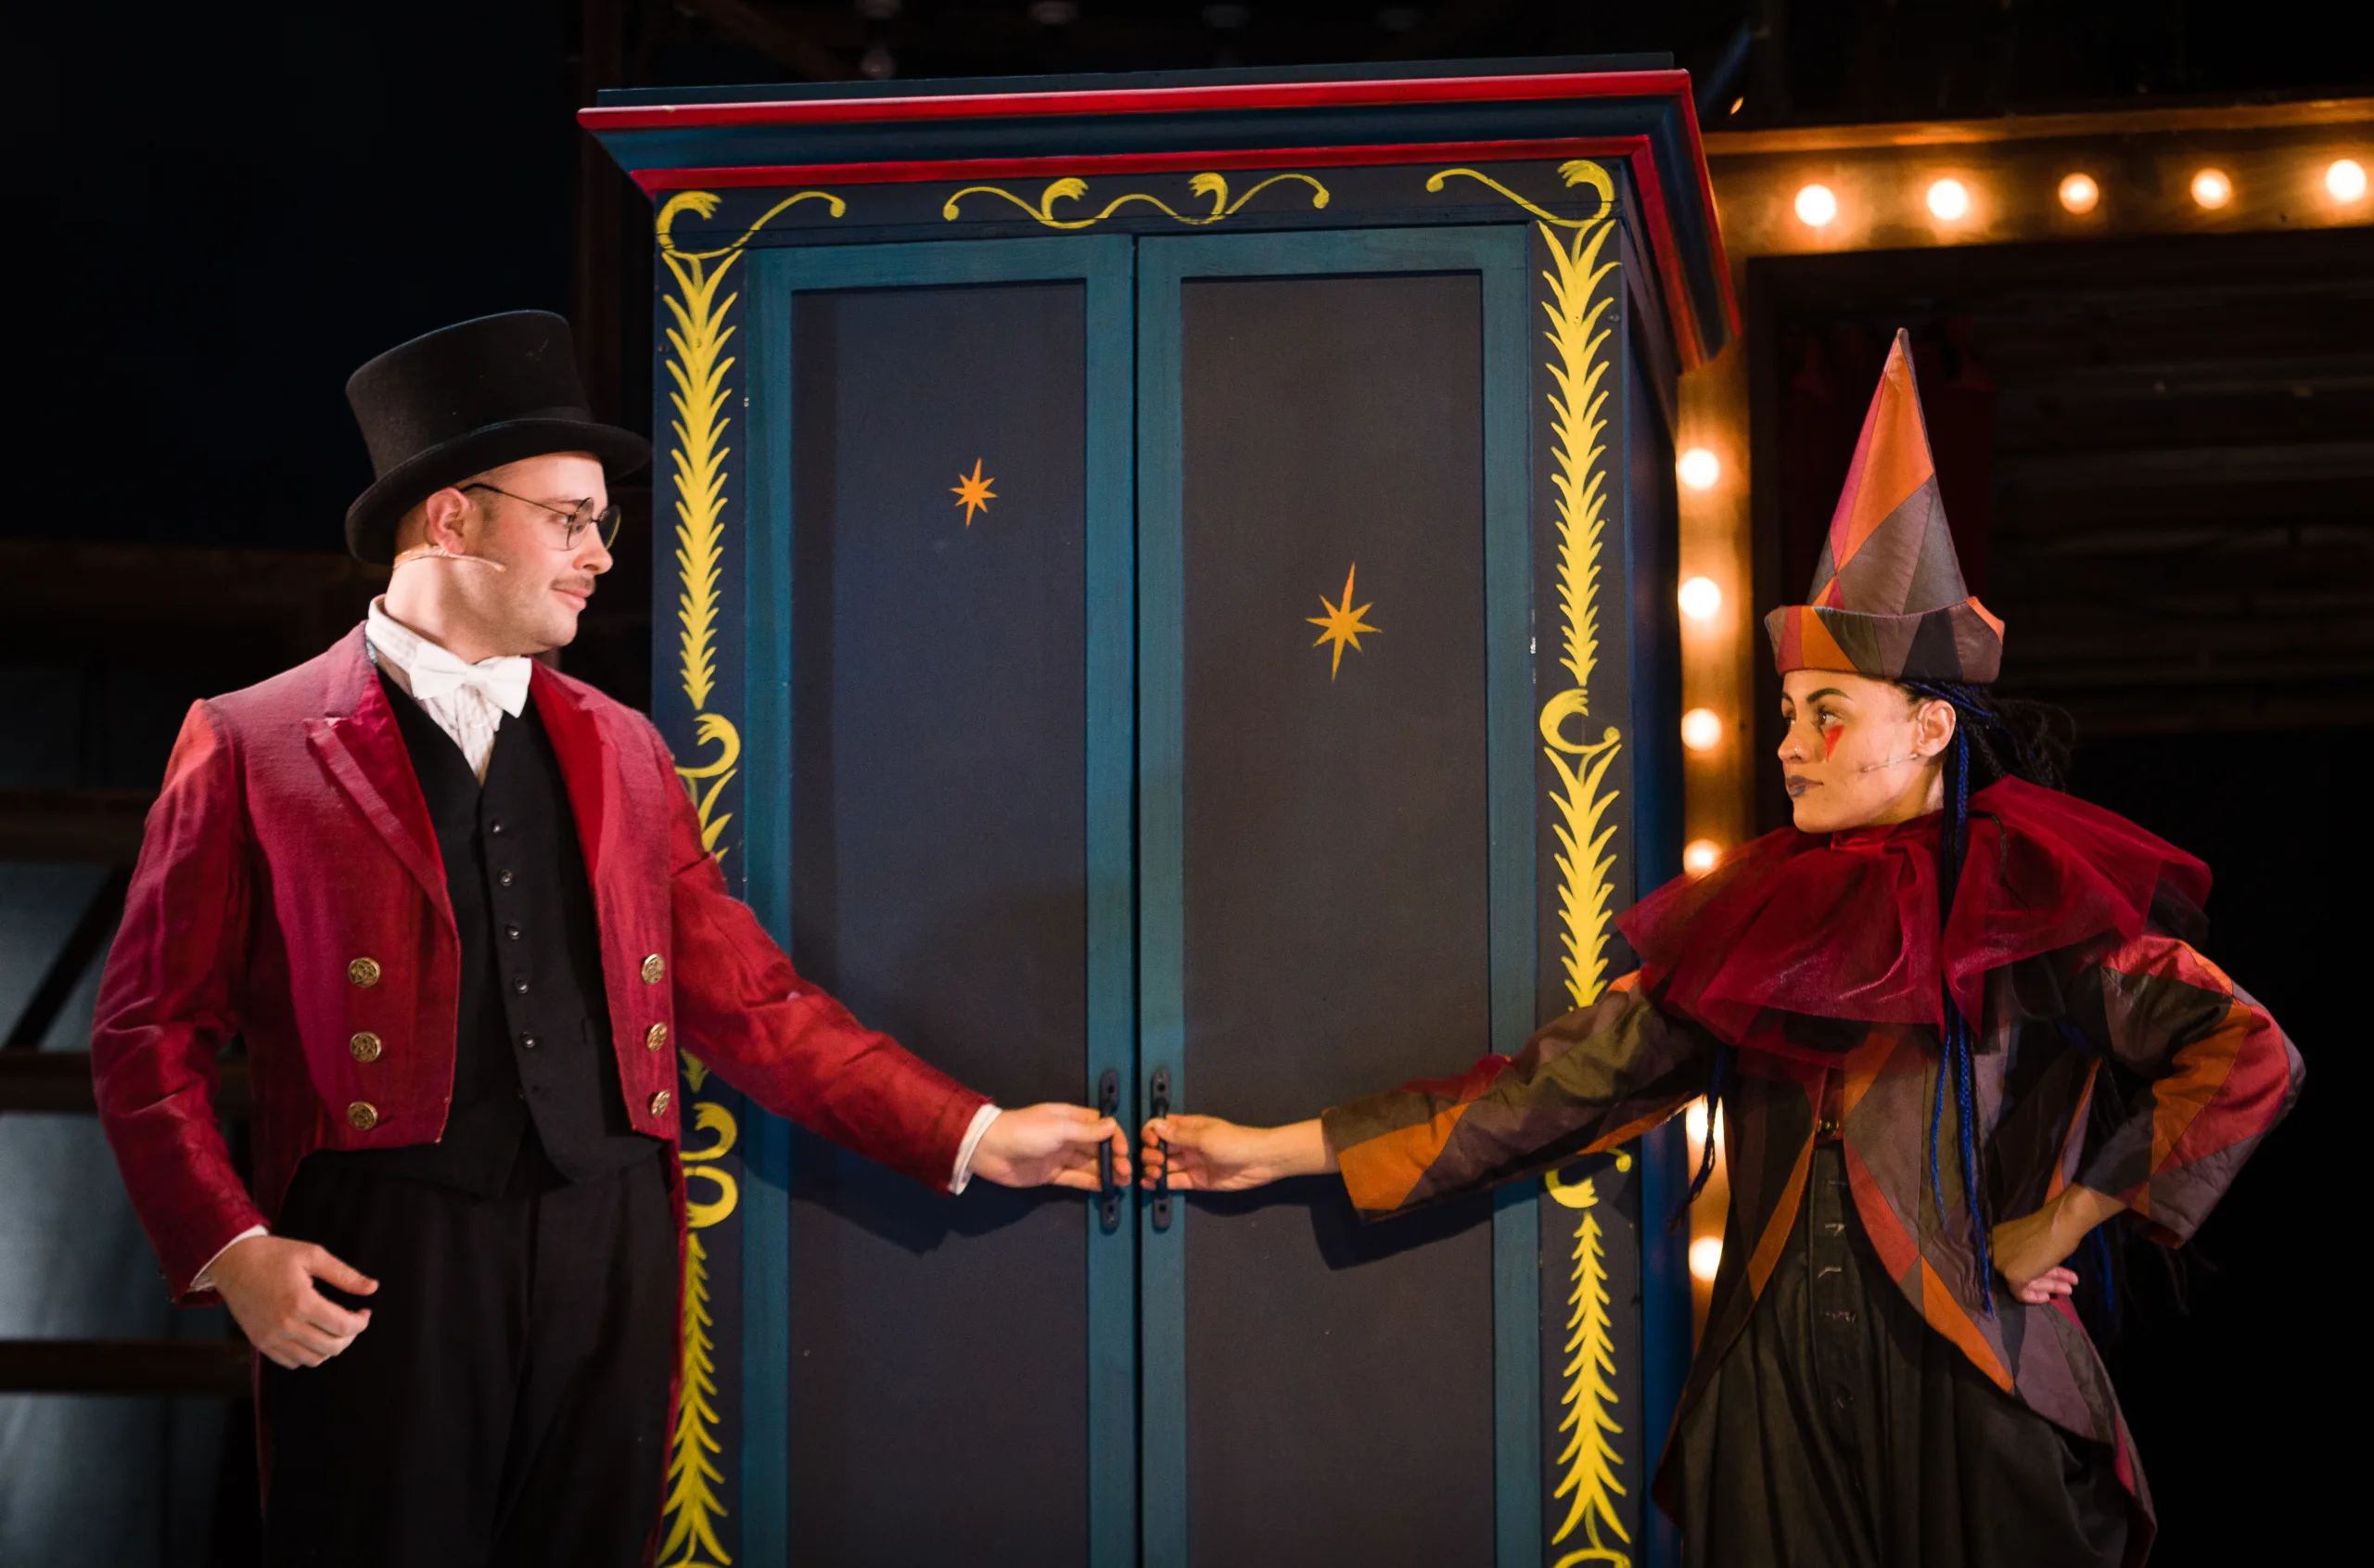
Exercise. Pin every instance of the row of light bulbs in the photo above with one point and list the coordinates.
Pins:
(1701, 728)
(1948, 199)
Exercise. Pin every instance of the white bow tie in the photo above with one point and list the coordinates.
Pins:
(504, 681)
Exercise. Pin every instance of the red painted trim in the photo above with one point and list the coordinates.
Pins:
(1146, 100)
(654, 181)
(1656, 219)
(1707, 204)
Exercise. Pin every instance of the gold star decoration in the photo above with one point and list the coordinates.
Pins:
(973, 492)
(1341, 624)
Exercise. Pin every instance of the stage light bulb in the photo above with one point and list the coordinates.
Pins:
(1699, 468)
(2345, 181)
(2079, 193)
(2212, 189)
(1949, 199)
(1698, 857)
(1702, 598)
(1702, 729)
(1694, 1122)
(1705, 1257)
(1816, 206)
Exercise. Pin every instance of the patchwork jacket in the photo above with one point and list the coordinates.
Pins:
(2207, 1070)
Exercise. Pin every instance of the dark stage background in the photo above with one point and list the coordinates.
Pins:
(222, 211)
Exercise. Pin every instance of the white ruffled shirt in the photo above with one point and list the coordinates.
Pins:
(468, 702)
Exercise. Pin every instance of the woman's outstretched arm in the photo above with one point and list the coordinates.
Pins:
(1586, 1081)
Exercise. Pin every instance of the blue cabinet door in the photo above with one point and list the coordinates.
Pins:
(938, 826)
(1336, 875)
(1194, 658)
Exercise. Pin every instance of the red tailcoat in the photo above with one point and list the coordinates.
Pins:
(290, 890)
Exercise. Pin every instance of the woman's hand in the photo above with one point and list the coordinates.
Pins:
(2029, 1250)
(1207, 1155)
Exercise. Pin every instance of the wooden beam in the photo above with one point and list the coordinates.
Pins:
(101, 913)
(58, 1083)
(779, 41)
(224, 1367)
(2090, 124)
(1445, 27)
(103, 826)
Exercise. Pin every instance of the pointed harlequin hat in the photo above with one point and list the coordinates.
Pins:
(1888, 599)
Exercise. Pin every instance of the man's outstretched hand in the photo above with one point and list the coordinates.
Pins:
(268, 1283)
(1053, 1142)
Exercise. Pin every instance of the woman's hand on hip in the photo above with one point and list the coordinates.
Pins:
(2029, 1251)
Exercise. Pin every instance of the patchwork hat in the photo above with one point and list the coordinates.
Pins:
(1888, 599)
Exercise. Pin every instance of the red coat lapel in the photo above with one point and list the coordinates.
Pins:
(584, 762)
(364, 752)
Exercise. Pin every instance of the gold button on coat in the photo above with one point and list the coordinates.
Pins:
(365, 1046)
(652, 969)
(362, 1115)
(660, 1103)
(363, 972)
(656, 1037)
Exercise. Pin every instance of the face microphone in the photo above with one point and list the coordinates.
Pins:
(1875, 767)
(438, 552)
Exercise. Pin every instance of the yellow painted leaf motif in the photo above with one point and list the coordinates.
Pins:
(1071, 188)
(1582, 822)
(699, 329)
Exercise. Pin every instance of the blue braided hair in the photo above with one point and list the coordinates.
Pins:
(1717, 1074)
(2025, 741)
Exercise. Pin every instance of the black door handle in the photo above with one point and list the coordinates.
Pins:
(1159, 1098)
(1108, 1101)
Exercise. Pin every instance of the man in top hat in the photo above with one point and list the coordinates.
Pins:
(458, 907)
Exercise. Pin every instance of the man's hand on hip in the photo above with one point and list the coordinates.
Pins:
(1051, 1142)
(268, 1282)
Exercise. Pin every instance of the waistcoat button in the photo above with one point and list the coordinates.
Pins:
(520, 985)
(495, 828)
(362, 1115)
(365, 1046)
(660, 1103)
(652, 969)
(655, 1036)
(529, 1041)
(364, 972)
(504, 877)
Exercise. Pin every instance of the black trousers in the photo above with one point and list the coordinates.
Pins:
(508, 1403)
(1841, 1431)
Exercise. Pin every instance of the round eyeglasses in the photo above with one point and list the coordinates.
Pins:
(573, 521)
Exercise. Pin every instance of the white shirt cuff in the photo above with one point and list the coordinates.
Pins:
(205, 1280)
(963, 1171)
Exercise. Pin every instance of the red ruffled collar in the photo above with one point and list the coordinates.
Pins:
(1845, 925)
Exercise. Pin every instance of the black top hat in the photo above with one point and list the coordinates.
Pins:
(464, 398)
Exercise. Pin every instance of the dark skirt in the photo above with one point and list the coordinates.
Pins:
(1841, 1431)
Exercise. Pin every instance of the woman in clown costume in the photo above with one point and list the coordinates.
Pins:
(1952, 1021)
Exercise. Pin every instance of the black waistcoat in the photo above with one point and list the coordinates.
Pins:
(536, 1095)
